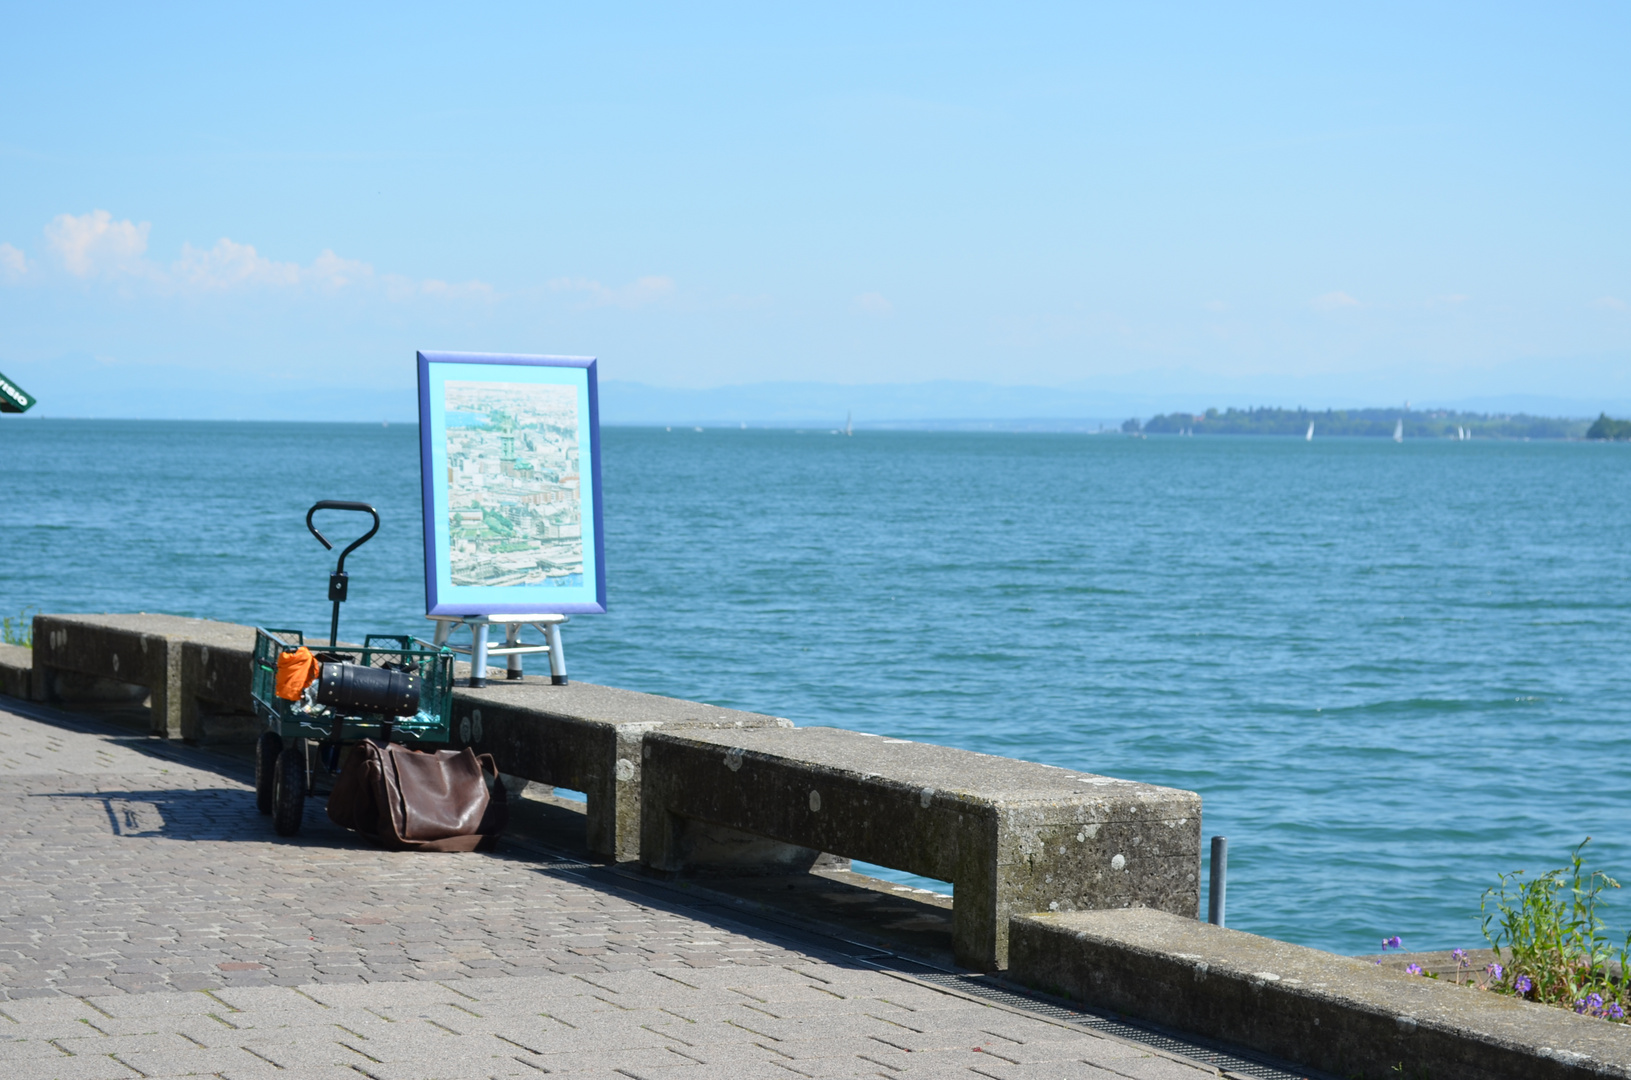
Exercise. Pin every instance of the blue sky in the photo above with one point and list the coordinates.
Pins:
(264, 212)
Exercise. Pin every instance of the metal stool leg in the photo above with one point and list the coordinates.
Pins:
(557, 654)
(478, 655)
(512, 638)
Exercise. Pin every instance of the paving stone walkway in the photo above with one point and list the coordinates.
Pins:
(151, 925)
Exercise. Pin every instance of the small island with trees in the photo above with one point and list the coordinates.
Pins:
(1381, 423)
(1605, 427)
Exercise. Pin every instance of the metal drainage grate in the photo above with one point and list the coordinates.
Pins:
(981, 986)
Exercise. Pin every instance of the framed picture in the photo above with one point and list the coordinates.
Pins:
(509, 450)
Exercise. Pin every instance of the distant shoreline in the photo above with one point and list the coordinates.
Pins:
(1364, 423)
(1358, 423)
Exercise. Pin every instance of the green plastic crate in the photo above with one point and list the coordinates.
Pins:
(290, 720)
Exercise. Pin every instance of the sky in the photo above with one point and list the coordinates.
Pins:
(239, 212)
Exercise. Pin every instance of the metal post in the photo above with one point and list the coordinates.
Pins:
(478, 654)
(512, 638)
(557, 654)
(1215, 894)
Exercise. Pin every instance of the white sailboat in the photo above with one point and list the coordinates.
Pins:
(849, 426)
(1398, 432)
(1310, 435)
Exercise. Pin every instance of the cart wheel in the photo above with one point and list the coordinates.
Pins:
(267, 748)
(289, 791)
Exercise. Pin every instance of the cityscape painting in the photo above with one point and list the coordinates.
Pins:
(512, 483)
(510, 449)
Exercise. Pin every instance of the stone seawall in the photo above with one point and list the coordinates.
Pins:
(1069, 883)
(1012, 836)
(1345, 1015)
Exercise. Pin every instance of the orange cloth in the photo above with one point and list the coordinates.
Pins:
(295, 672)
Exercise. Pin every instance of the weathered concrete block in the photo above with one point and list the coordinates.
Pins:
(70, 651)
(215, 679)
(1012, 836)
(16, 671)
(1339, 1014)
(586, 738)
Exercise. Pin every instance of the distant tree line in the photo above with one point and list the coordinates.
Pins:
(1378, 423)
(1606, 428)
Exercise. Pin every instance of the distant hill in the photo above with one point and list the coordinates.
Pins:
(1378, 423)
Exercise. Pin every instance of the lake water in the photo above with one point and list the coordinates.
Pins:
(1391, 671)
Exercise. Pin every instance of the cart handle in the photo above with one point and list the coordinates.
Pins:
(334, 504)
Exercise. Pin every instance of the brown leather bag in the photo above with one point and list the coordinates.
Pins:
(411, 800)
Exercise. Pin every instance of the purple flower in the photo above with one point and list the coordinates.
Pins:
(1522, 985)
(1495, 971)
(1392, 943)
(1459, 956)
(1594, 1001)
(1580, 1005)
(1413, 969)
(1615, 1011)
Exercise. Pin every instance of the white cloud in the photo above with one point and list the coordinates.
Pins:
(334, 272)
(228, 265)
(875, 303)
(638, 293)
(1609, 303)
(94, 243)
(1333, 301)
(401, 288)
(13, 263)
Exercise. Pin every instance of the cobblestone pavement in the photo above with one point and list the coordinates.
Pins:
(152, 925)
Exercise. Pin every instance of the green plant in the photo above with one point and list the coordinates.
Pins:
(18, 630)
(1551, 934)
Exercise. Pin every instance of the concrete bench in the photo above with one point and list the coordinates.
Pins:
(182, 663)
(16, 671)
(586, 738)
(1341, 1014)
(1012, 836)
(583, 737)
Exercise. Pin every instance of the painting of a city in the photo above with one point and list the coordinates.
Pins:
(514, 513)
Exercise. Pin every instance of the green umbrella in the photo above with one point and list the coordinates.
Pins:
(13, 398)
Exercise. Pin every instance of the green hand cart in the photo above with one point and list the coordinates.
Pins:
(328, 722)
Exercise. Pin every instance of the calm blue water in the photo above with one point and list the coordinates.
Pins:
(1391, 671)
